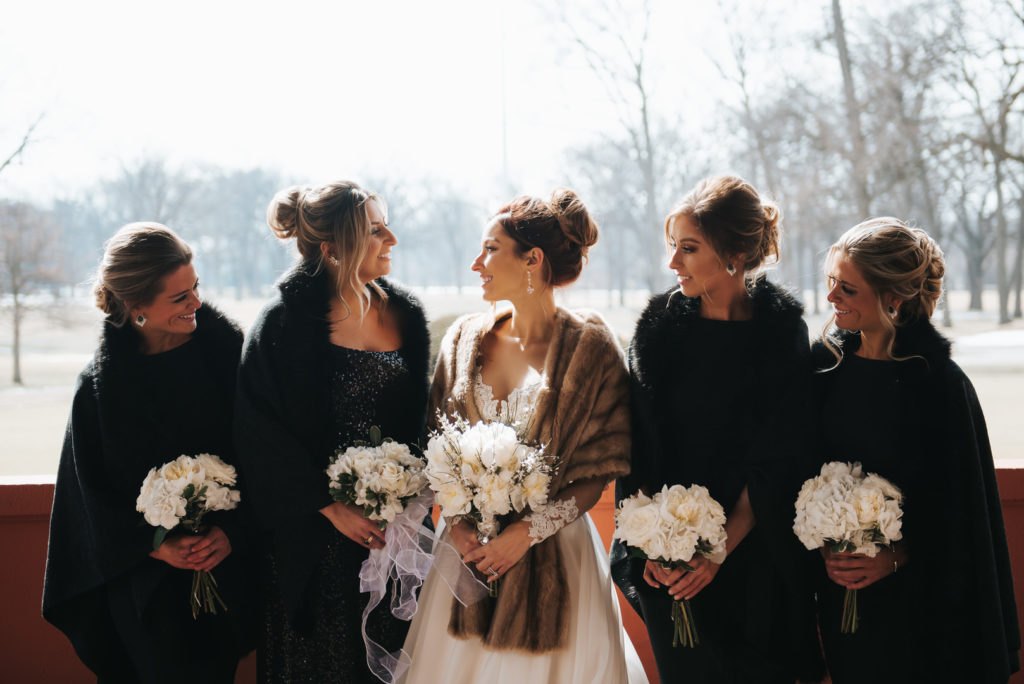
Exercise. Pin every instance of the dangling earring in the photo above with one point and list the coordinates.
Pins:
(140, 320)
(529, 283)
(730, 269)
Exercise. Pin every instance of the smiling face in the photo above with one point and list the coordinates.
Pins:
(502, 269)
(377, 260)
(173, 310)
(697, 266)
(854, 301)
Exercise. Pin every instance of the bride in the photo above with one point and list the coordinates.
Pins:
(561, 374)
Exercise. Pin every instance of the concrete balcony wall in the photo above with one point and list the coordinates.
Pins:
(31, 650)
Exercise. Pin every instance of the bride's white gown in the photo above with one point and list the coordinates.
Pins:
(598, 650)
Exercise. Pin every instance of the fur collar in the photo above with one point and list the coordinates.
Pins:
(670, 315)
(919, 338)
(308, 288)
(119, 346)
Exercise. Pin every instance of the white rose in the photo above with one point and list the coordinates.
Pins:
(217, 469)
(220, 498)
(492, 496)
(535, 489)
(453, 499)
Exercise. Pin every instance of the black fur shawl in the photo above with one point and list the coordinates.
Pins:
(970, 582)
(113, 437)
(758, 446)
(282, 415)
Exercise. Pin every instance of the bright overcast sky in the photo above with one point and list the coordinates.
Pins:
(318, 89)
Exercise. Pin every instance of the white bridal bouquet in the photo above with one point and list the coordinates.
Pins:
(179, 494)
(484, 471)
(671, 528)
(850, 512)
(382, 476)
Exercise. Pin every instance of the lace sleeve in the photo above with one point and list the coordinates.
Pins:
(550, 518)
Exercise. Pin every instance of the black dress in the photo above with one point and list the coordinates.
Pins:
(949, 614)
(720, 403)
(332, 649)
(128, 614)
(299, 399)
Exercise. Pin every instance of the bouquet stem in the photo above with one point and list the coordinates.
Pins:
(850, 617)
(493, 587)
(685, 631)
(204, 597)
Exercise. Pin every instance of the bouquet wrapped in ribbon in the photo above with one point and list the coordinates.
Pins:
(671, 528)
(848, 511)
(177, 496)
(484, 471)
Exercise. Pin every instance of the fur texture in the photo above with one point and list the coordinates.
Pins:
(582, 415)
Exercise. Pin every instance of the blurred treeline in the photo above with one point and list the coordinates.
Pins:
(914, 108)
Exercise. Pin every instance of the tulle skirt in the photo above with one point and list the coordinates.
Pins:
(598, 651)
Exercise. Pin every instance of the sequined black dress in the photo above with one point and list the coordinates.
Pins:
(330, 648)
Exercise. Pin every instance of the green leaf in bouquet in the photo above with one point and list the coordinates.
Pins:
(189, 490)
(159, 536)
(375, 435)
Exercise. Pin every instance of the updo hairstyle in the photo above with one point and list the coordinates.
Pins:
(560, 227)
(135, 262)
(335, 213)
(734, 220)
(894, 259)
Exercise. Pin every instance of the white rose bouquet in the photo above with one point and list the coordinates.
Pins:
(849, 512)
(484, 471)
(179, 494)
(382, 476)
(671, 528)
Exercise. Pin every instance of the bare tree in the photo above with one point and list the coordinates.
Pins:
(990, 80)
(26, 262)
(858, 155)
(26, 140)
(613, 42)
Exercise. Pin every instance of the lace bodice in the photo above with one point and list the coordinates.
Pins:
(517, 408)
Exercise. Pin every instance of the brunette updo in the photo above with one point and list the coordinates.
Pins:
(895, 260)
(560, 227)
(335, 213)
(135, 262)
(734, 220)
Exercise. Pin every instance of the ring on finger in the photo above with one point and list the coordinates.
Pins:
(492, 571)
(368, 541)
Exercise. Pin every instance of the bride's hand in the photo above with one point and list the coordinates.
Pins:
(464, 538)
(497, 556)
(658, 577)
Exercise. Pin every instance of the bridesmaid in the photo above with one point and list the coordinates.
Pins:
(338, 350)
(160, 385)
(939, 605)
(719, 368)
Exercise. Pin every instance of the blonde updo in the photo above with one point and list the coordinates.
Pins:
(560, 227)
(734, 219)
(894, 260)
(336, 214)
(135, 262)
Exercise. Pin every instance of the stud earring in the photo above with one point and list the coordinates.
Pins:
(892, 311)
(730, 269)
(334, 260)
(140, 320)
(529, 283)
